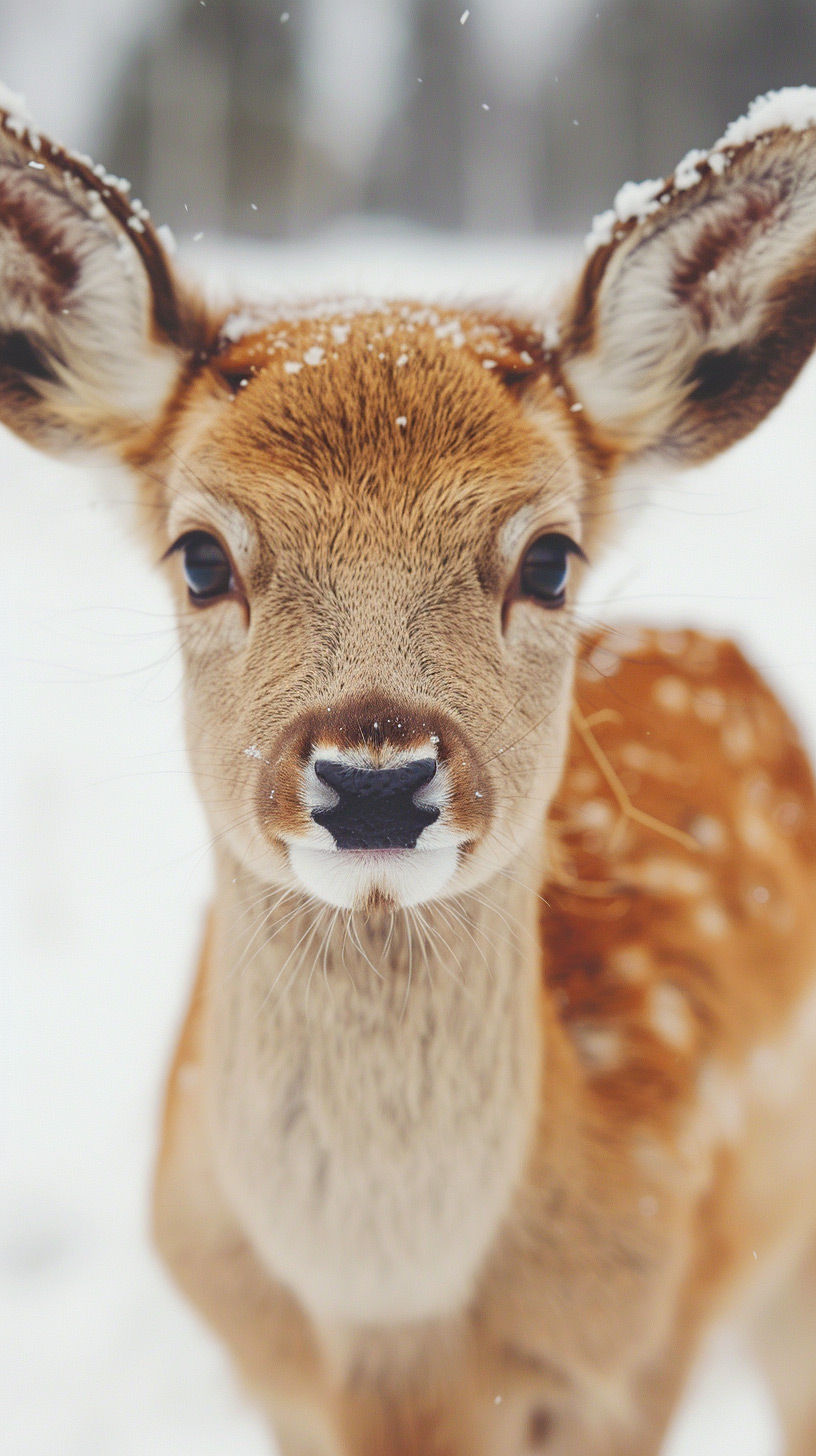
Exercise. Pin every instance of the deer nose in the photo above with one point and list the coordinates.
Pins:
(375, 807)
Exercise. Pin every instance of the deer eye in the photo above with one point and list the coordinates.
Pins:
(545, 569)
(207, 567)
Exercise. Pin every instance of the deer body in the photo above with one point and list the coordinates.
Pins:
(497, 1084)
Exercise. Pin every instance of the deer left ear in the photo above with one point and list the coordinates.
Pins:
(697, 305)
(95, 331)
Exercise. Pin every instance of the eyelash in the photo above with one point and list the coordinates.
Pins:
(208, 545)
(555, 549)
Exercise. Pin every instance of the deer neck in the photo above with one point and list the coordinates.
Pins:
(374, 1088)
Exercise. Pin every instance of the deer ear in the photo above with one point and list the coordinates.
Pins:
(95, 332)
(697, 305)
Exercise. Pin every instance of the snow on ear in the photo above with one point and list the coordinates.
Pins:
(95, 332)
(697, 306)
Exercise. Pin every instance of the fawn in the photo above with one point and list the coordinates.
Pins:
(498, 1082)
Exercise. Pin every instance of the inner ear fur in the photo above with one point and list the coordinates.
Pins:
(696, 308)
(96, 332)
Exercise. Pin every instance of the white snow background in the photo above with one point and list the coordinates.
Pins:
(104, 877)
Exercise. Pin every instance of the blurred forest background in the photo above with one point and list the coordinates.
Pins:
(245, 118)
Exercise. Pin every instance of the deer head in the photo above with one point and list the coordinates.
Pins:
(375, 519)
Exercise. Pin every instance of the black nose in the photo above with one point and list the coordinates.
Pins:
(375, 807)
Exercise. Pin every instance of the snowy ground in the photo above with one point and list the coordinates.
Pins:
(104, 877)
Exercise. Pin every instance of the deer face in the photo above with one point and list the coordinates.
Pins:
(375, 562)
(374, 522)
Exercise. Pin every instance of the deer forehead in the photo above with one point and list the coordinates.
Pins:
(380, 409)
(413, 446)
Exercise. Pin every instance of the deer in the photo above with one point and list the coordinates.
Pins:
(496, 1089)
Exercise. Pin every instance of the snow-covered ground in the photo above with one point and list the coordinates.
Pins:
(104, 877)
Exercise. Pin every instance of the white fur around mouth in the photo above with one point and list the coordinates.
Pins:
(347, 878)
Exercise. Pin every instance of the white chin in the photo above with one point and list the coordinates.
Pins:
(347, 878)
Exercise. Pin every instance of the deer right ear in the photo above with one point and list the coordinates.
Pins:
(697, 306)
(95, 332)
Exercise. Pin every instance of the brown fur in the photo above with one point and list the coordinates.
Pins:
(467, 1169)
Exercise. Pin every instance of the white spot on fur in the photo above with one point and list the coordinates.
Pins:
(595, 814)
(652, 761)
(605, 662)
(709, 832)
(672, 694)
(668, 876)
(599, 1047)
(632, 963)
(738, 740)
(711, 919)
(670, 1016)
